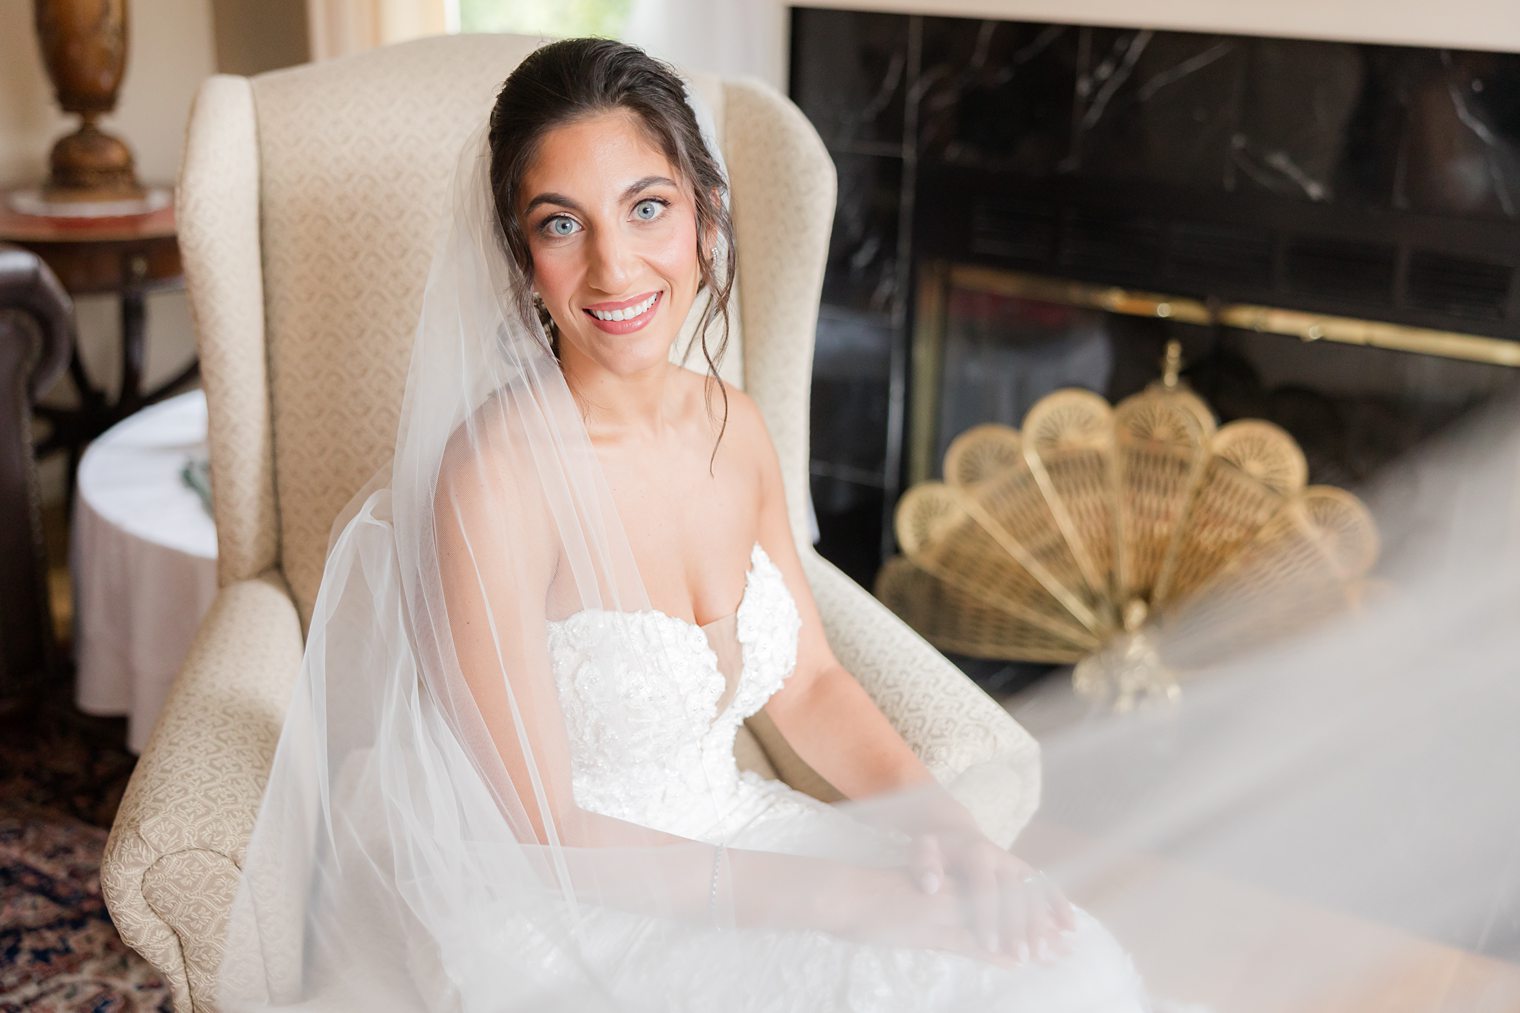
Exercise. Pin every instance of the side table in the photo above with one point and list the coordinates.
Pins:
(127, 257)
(142, 555)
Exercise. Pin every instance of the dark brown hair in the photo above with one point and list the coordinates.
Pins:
(574, 78)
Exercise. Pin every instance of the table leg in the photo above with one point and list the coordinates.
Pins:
(133, 356)
(91, 397)
(133, 318)
(74, 428)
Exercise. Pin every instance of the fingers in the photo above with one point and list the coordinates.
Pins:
(1044, 938)
(927, 864)
(1014, 912)
(1035, 917)
(1007, 911)
(988, 907)
(986, 899)
(945, 925)
(1057, 918)
(1065, 914)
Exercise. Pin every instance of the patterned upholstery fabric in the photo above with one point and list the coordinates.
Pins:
(309, 200)
(218, 217)
(171, 863)
(952, 725)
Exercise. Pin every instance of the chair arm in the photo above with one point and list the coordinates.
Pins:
(952, 725)
(36, 336)
(172, 862)
(29, 287)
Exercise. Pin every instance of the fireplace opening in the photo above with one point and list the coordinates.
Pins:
(1355, 395)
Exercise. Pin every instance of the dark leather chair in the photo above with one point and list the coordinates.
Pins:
(36, 336)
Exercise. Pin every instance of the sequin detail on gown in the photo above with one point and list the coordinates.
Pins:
(648, 743)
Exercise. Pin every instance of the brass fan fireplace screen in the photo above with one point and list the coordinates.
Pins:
(1075, 539)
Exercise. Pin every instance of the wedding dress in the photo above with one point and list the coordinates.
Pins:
(656, 747)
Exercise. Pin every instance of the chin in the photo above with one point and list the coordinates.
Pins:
(634, 354)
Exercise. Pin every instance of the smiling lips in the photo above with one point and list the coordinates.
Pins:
(625, 316)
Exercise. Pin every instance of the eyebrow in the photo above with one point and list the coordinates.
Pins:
(628, 194)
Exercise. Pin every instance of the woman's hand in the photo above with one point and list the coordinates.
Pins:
(959, 892)
(1012, 910)
(884, 907)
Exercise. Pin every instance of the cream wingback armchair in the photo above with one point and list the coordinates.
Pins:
(309, 201)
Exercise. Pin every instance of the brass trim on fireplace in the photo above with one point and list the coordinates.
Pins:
(1242, 316)
(937, 277)
(928, 362)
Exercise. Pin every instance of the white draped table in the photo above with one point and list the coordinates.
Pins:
(142, 552)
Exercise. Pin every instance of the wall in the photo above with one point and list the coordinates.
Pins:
(169, 52)
(1462, 24)
(258, 35)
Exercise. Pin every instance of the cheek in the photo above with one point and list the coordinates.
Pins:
(555, 274)
(675, 256)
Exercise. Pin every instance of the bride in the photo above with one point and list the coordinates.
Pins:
(507, 778)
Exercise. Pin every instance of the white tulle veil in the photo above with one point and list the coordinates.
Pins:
(418, 845)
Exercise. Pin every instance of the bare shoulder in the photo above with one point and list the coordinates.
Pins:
(491, 440)
(487, 481)
(745, 423)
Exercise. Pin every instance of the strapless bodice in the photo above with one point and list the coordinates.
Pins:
(651, 741)
(648, 709)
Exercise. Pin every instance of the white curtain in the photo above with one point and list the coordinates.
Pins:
(728, 37)
(340, 27)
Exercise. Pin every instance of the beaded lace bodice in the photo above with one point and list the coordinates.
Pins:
(651, 721)
(651, 716)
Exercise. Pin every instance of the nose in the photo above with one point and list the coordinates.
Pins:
(611, 266)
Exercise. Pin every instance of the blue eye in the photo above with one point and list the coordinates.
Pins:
(560, 226)
(649, 209)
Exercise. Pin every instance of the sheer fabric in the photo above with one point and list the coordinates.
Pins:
(486, 796)
(493, 794)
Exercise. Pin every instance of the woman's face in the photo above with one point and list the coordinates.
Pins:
(613, 236)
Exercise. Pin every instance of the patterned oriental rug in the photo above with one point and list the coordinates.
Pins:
(61, 778)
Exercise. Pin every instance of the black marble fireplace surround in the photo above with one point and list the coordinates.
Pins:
(1373, 182)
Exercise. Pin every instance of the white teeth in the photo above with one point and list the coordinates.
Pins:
(626, 314)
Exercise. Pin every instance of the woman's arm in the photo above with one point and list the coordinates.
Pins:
(822, 711)
(830, 721)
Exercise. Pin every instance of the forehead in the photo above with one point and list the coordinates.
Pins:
(593, 159)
